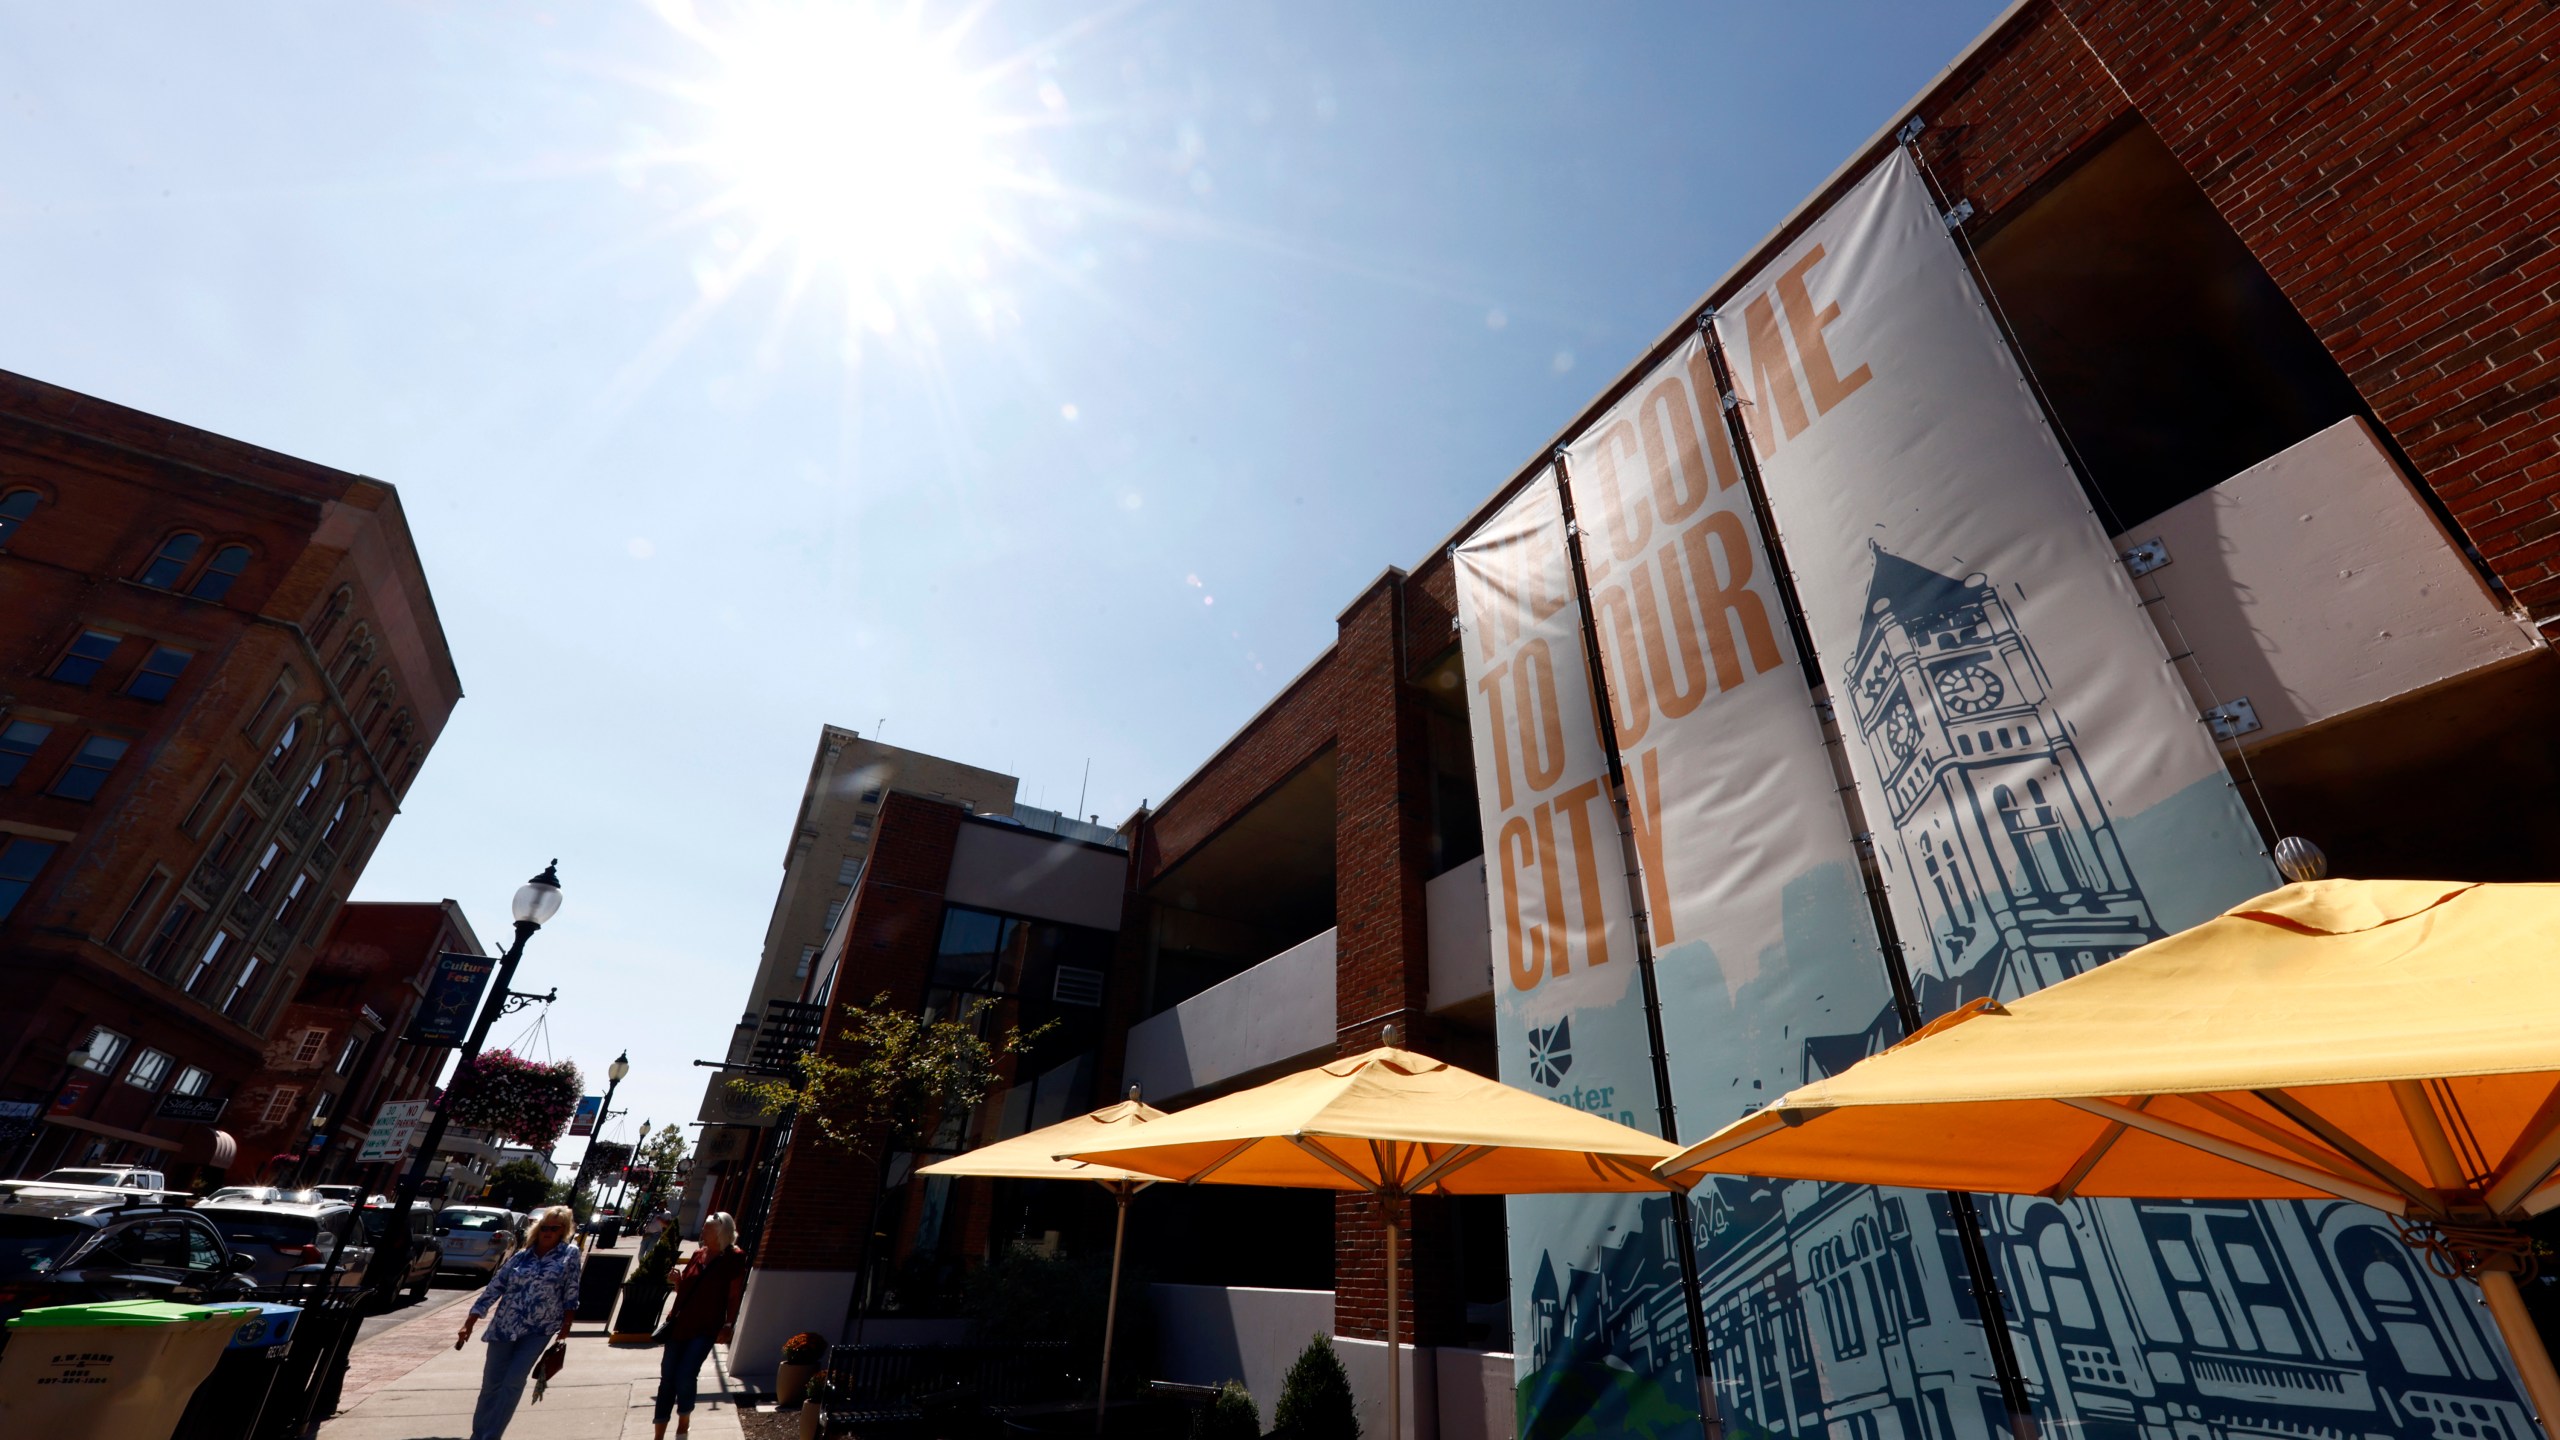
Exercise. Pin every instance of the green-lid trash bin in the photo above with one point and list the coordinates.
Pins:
(123, 1370)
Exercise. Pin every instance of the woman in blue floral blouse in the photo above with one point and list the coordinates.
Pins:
(535, 1294)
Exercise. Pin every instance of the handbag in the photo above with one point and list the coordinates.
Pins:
(549, 1365)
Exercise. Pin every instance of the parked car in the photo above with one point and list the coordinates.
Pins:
(477, 1238)
(426, 1252)
(291, 1242)
(112, 1177)
(64, 1248)
(263, 1195)
(351, 1194)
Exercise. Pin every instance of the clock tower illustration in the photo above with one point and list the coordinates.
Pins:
(2000, 832)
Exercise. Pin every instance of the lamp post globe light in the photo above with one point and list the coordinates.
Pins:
(613, 1074)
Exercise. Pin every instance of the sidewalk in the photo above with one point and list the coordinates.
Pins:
(411, 1384)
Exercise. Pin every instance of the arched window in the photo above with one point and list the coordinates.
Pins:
(342, 819)
(309, 799)
(285, 743)
(169, 563)
(219, 572)
(330, 617)
(15, 507)
(351, 660)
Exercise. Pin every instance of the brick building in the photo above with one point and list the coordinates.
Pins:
(336, 1055)
(2272, 266)
(220, 671)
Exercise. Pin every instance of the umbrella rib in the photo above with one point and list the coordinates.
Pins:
(1196, 1176)
(1640, 1173)
(2535, 1155)
(1457, 1159)
(2232, 1150)
(2292, 1108)
(2274, 1134)
(2069, 1184)
(1329, 1158)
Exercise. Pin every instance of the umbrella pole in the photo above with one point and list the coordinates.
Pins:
(1388, 1204)
(2524, 1343)
(1111, 1308)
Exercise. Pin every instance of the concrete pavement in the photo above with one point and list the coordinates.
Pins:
(409, 1383)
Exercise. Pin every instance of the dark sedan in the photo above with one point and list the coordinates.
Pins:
(76, 1249)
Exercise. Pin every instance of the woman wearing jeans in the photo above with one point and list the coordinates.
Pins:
(707, 1291)
(535, 1295)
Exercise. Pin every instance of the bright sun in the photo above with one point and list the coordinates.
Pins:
(853, 139)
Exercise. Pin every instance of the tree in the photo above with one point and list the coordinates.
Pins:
(898, 1077)
(519, 1185)
(1315, 1399)
(664, 1155)
(1229, 1415)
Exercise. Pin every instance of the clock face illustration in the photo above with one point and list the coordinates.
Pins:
(1968, 687)
(1901, 730)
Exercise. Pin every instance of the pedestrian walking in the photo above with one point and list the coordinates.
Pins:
(535, 1295)
(707, 1292)
(653, 1227)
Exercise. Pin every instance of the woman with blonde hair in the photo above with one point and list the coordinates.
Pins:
(707, 1292)
(535, 1295)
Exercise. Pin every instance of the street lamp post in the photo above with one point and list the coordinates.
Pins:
(613, 1074)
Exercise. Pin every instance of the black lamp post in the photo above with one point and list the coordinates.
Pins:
(613, 1074)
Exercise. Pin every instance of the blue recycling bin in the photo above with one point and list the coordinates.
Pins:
(228, 1403)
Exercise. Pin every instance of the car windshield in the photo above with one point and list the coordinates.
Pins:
(472, 1220)
(250, 1227)
(30, 1247)
(84, 1177)
(264, 1195)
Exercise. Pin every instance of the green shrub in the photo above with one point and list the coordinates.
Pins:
(1229, 1416)
(1315, 1401)
(657, 1260)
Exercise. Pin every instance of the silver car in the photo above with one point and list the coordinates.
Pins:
(476, 1238)
(291, 1244)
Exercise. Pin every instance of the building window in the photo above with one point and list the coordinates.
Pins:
(244, 986)
(330, 617)
(312, 787)
(309, 1045)
(159, 674)
(137, 914)
(870, 797)
(862, 828)
(290, 910)
(220, 572)
(337, 827)
(90, 766)
(835, 912)
(166, 940)
(15, 507)
(320, 1107)
(347, 1056)
(849, 870)
(257, 880)
(103, 1049)
(280, 1105)
(808, 953)
(267, 707)
(282, 755)
(21, 860)
(170, 561)
(200, 814)
(89, 653)
(19, 741)
(149, 1068)
(227, 847)
(191, 1081)
(208, 961)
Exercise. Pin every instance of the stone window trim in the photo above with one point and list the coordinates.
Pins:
(340, 709)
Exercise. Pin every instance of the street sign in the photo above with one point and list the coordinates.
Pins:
(193, 1109)
(452, 998)
(583, 1120)
(396, 1131)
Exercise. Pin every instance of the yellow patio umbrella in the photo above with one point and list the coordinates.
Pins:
(2390, 1042)
(1395, 1124)
(1035, 1156)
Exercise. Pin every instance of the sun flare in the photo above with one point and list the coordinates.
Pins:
(855, 140)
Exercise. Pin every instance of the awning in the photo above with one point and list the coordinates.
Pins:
(214, 1149)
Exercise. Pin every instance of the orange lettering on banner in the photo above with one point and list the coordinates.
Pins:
(1820, 374)
(1730, 596)
(1490, 684)
(1534, 707)
(1527, 953)
(1702, 383)
(1576, 804)
(1617, 654)
(1679, 472)
(1628, 526)
(1545, 563)
(1773, 373)
(1644, 806)
(1551, 887)
(1668, 695)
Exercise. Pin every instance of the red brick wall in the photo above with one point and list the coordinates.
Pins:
(1273, 746)
(2395, 165)
(824, 1197)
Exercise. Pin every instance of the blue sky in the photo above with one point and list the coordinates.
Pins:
(1250, 302)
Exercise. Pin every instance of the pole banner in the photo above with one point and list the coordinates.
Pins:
(1765, 956)
(452, 999)
(582, 1121)
(2043, 798)
(1569, 1006)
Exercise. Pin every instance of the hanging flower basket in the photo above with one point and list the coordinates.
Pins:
(514, 1098)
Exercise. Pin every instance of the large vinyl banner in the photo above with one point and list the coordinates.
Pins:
(1569, 1005)
(2043, 799)
(1822, 1300)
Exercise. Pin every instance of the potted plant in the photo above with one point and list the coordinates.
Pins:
(802, 1354)
(645, 1295)
(813, 1406)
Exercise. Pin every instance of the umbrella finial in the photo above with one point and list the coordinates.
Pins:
(1133, 1094)
(1390, 1036)
(2301, 860)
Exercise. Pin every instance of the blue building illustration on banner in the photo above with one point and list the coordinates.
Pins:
(1844, 1310)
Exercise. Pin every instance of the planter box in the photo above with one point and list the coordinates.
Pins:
(642, 1303)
